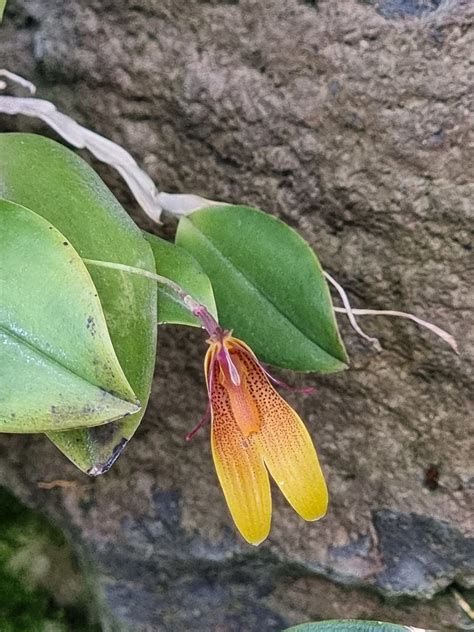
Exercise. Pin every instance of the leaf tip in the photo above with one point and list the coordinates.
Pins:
(102, 468)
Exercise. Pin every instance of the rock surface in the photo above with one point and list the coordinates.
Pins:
(349, 120)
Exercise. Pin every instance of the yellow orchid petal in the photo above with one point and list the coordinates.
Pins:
(286, 446)
(240, 469)
(291, 458)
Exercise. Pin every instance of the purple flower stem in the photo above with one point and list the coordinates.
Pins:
(306, 390)
(201, 423)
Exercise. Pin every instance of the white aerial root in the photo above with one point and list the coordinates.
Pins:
(185, 203)
(147, 195)
(13, 77)
(352, 312)
(141, 185)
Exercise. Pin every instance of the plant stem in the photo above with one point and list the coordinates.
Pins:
(191, 304)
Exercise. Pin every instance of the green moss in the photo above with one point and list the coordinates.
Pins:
(41, 586)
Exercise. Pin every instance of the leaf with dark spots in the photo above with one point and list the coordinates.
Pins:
(49, 378)
(57, 184)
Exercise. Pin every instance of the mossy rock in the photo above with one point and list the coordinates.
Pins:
(41, 586)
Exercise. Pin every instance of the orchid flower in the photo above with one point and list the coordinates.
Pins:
(254, 433)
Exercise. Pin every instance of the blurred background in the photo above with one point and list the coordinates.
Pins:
(350, 120)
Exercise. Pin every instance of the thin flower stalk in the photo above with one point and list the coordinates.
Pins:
(254, 432)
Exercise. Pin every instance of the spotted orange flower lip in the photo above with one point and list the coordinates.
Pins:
(254, 433)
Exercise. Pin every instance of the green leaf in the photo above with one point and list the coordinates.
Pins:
(59, 369)
(58, 185)
(3, 4)
(178, 265)
(350, 626)
(268, 284)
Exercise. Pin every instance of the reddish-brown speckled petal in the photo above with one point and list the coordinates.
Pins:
(240, 469)
(286, 446)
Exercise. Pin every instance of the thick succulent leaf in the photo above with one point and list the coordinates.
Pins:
(178, 265)
(268, 284)
(58, 185)
(59, 369)
(352, 626)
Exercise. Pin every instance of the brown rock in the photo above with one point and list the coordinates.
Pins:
(350, 120)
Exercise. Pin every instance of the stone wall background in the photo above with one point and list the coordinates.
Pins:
(351, 121)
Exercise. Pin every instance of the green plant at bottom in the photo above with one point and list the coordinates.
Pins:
(40, 588)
